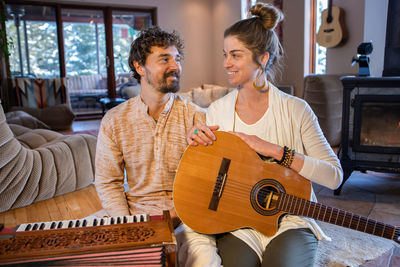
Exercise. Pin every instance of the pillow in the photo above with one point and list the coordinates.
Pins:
(133, 90)
(22, 118)
(58, 117)
(207, 93)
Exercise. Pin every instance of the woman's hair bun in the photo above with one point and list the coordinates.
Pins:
(269, 15)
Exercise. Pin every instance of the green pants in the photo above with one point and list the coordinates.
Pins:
(296, 247)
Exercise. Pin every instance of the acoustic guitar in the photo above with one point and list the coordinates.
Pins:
(226, 186)
(332, 31)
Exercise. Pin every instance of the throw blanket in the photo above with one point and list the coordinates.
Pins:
(40, 93)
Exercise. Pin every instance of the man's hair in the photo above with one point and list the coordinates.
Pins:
(141, 46)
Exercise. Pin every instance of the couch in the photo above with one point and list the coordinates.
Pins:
(324, 94)
(87, 85)
(38, 164)
(205, 94)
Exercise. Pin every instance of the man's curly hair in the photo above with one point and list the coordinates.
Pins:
(141, 46)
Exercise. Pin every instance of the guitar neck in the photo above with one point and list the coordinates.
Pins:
(329, 17)
(298, 206)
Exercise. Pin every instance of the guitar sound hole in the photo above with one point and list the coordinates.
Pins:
(267, 197)
(264, 196)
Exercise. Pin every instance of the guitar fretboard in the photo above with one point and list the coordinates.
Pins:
(320, 212)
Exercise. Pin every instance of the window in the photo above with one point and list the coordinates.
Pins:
(35, 49)
(84, 42)
(319, 52)
(126, 26)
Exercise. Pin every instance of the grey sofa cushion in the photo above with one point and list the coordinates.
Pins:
(22, 118)
(58, 117)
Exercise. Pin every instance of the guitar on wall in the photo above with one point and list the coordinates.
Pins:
(332, 31)
(226, 186)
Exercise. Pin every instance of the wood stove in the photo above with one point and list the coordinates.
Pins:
(370, 125)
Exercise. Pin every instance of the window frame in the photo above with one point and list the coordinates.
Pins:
(313, 37)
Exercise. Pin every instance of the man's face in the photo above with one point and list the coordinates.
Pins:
(163, 68)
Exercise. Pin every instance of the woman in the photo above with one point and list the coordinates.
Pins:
(276, 125)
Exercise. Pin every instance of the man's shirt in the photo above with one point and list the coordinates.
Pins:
(148, 150)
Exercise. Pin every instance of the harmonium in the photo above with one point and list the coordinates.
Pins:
(135, 240)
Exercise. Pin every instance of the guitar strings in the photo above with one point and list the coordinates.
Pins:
(236, 189)
(353, 221)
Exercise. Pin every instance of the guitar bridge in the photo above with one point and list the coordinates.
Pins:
(219, 184)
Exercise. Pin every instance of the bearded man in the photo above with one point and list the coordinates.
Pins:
(145, 137)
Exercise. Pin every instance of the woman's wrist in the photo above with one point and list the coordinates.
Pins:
(287, 158)
(278, 152)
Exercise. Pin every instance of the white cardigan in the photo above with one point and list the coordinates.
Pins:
(291, 122)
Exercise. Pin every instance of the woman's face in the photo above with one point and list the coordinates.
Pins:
(238, 62)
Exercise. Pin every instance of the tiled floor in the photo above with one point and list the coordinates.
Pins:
(371, 194)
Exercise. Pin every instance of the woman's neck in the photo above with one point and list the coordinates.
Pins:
(248, 96)
(251, 104)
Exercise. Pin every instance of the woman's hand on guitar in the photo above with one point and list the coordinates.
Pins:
(260, 146)
(268, 149)
(201, 134)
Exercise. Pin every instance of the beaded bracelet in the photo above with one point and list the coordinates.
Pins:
(285, 152)
(291, 159)
(287, 158)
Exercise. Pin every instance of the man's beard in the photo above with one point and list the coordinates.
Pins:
(162, 84)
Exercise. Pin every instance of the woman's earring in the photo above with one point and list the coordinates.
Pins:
(260, 75)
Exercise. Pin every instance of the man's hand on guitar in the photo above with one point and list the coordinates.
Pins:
(201, 134)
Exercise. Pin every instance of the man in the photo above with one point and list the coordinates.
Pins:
(146, 136)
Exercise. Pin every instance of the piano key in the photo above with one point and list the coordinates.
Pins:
(42, 226)
(129, 219)
(84, 223)
(65, 224)
(46, 226)
(53, 225)
(95, 221)
(22, 227)
(77, 223)
(35, 226)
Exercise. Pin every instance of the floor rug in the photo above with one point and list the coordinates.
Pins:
(352, 248)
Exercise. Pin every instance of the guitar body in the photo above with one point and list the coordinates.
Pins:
(243, 192)
(332, 32)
